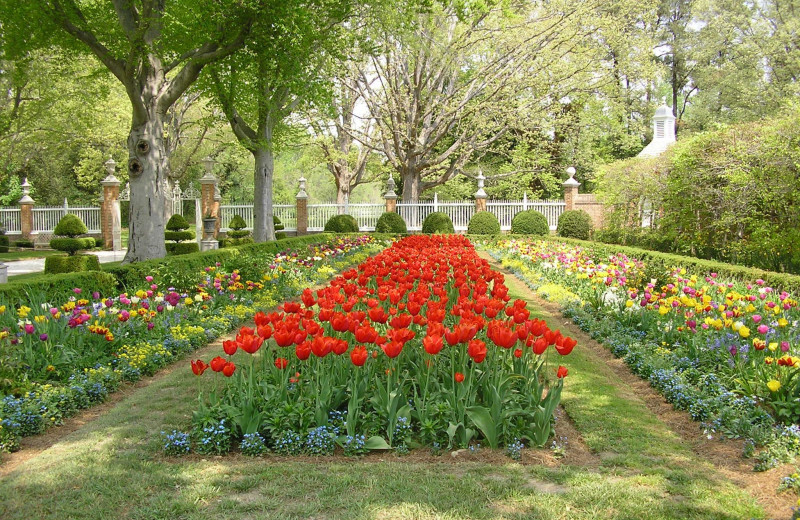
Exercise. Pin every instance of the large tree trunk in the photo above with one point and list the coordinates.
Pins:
(263, 223)
(145, 168)
(412, 184)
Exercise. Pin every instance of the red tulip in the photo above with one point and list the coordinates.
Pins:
(303, 350)
(562, 372)
(565, 345)
(217, 364)
(358, 355)
(261, 319)
(392, 349)
(198, 367)
(451, 336)
(265, 331)
(320, 346)
(284, 336)
(433, 344)
(518, 353)
(250, 343)
(229, 347)
(459, 377)
(308, 298)
(228, 369)
(477, 350)
(281, 363)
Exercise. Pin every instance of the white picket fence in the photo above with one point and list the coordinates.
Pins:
(9, 220)
(287, 213)
(45, 218)
(366, 214)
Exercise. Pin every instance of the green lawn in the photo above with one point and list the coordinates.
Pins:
(113, 468)
(25, 254)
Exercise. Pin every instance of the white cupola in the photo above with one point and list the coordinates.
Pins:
(663, 132)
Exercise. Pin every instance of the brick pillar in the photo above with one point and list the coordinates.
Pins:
(208, 206)
(570, 190)
(480, 204)
(301, 201)
(215, 209)
(26, 211)
(390, 196)
(110, 225)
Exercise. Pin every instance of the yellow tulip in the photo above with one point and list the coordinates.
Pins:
(774, 385)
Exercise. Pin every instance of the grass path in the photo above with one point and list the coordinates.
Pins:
(634, 467)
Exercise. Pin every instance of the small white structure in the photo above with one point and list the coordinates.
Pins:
(663, 132)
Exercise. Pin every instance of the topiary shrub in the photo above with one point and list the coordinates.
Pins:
(66, 232)
(391, 222)
(182, 248)
(341, 224)
(237, 234)
(575, 223)
(71, 264)
(530, 222)
(177, 232)
(277, 223)
(437, 222)
(483, 223)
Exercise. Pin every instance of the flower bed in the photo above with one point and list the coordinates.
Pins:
(57, 358)
(724, 351)
(419, 345)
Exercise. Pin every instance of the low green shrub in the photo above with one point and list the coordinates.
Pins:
(72, 245)
(182, 248)
(575, 223)
(71, 264)
(530, 222)
(437, 222)
(24, 244)
(99, 242)
(4, 244)
(341, 224)
(280, 235)
(391, 222)
(483, 223)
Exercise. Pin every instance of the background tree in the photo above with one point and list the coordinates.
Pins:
(156, 50)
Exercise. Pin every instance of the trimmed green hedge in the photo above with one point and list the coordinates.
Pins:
(3, 244)
(182, 248)
(437, 222)
(55, 286)
(659, 263)
(575, 223)
(71, 264)
(483, 223)
(530, 222)
(391, 222)
(341, 224)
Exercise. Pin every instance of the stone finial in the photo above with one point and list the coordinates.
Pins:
(26, 193)
(302, 185)
(208, 177)
(571, 181)
(481, 193)
(111, 179)
(390, 185)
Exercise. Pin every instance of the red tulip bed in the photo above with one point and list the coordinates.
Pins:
(419, 345)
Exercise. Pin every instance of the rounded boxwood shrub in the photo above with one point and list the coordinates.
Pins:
(177, 223)
(341, 224)
(437, 222)
(71, 264)
(182, 248)
(391, 222)
(575, 223)
(530, 222)
(483, 223)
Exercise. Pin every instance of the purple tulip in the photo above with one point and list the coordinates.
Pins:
(43, 337)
